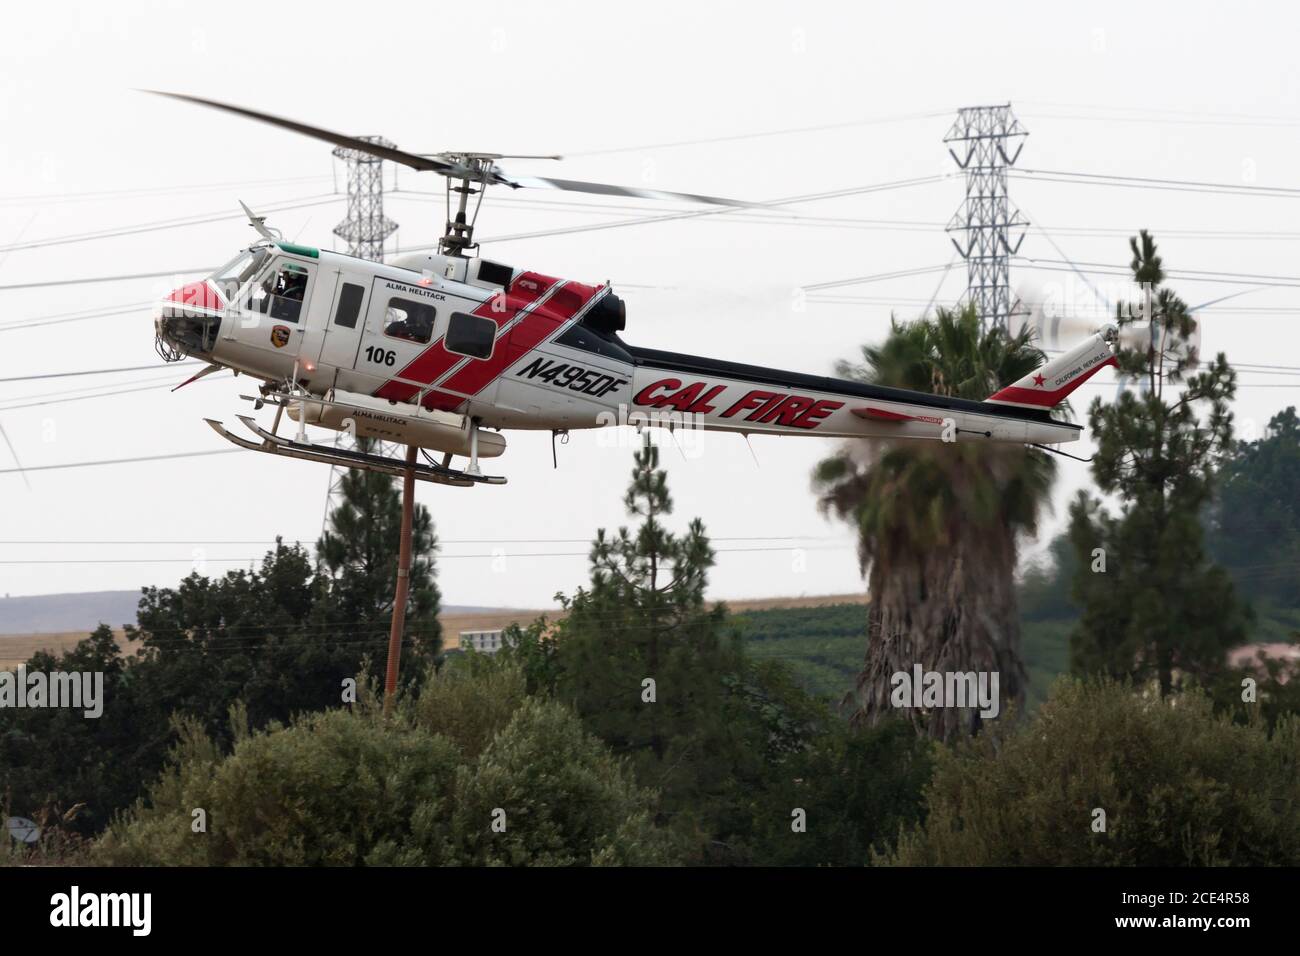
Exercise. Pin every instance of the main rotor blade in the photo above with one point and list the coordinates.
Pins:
(425, 163)
(604, 189)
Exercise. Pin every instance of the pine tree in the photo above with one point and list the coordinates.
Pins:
(1159, 608)
(647, 663)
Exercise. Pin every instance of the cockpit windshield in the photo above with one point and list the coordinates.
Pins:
(230, 278)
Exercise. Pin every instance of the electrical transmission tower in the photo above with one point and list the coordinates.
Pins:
(364, 230)
(366, 226)
(990, 227)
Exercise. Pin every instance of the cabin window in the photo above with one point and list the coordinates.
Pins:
(349, 305)
(230, 278)
(412, 321)
(471, 335)
(280, 295)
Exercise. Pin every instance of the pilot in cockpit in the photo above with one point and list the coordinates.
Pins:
(291, 284)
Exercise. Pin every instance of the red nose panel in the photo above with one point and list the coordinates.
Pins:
(198, 295)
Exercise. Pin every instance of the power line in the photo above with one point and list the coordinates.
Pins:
(1189, 117)
(858, 280)
(162, 224)
(669, 217)
(81, 315)
(736, 137)
(1152, 182)
(61, 197)
(164, 383)
(61, 393)
(441, 541)
(122, 461)
(95, 371)
(515, 555)
(200, 270)
(748, 217)
(851, 222)
(1047, 265)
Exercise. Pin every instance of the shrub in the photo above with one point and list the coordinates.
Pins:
(566, 799)
(326, 790)
(347, 788)
(857, 788)
(1179, 786)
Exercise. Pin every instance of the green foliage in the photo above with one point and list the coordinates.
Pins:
(352, 787)
(263, 637)
(822, 646)
(534, 650)
(472, 701)
(1046, 646)
(1160, 608)
(1045, 584)
(659, 677)
(325, 791)
(280, 638)
(857, 788)
(1255, 523)
(1179, 786)
(567, 800)
(55, 763)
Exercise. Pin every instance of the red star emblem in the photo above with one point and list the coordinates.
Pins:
(1038, 380)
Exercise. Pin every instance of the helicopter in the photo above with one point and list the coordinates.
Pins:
(444, 351)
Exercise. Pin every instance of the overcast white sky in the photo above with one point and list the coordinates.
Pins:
(1184, 91)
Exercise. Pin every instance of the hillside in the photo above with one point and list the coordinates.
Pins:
(56, 622)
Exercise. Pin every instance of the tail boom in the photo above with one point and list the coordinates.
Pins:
(687, 391)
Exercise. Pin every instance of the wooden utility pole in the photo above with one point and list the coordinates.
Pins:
(403, 581)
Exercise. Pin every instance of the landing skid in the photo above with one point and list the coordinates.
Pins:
(348, 458)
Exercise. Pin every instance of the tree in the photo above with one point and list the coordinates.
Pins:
(281, 639)
(273, 638)
(55, 759)
(1255, 523)
(1159, 608)
(359, 553)
(938, 523)
(654, 672)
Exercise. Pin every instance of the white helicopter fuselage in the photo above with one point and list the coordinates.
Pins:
(428, 348)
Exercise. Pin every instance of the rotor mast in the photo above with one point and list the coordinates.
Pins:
(471, 169)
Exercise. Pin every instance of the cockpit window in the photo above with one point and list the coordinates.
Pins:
(231, 277)
(409, 320)
(280, 295)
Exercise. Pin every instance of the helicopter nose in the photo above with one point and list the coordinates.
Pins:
(187, 320)
(196, 296)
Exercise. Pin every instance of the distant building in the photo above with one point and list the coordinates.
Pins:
(485, 642)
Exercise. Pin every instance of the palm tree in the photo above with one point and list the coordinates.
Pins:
(938, 523)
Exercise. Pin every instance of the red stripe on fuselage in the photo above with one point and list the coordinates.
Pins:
(435, 361)
(527, 334)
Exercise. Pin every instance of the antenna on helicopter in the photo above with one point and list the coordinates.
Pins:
(467, 174)
(259, 223)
